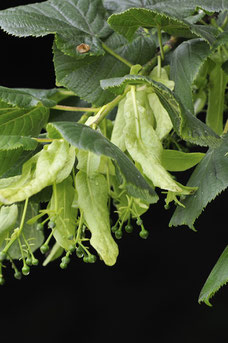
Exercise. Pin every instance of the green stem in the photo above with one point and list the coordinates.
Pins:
(43, 140)
(75, 109)
(77, 240)
(84, 117)
(150, 64)
(159, 66)
(160, 42)
(117, 56)
(66, 92)
(108, 108)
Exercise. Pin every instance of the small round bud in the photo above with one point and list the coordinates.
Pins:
(25, 270)
(92, 258)
(79, 252)
(35, 261)
(72, 248)
(129, 228)
(144, 234)
(44, 248)
(114, 228)
(2, 256)
(139, 221)
(86, 259)
(63, 265)
(119, 234)
(17, 275)
(2, 280)
(39, 227)
(51, 224)
(66, 260)
(29, 261)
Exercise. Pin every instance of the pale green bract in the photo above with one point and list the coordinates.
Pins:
(8, 217)
(65, 214)
(92, 192)
(144, 145)
(93, 195)
(163, 122)
(52, 164)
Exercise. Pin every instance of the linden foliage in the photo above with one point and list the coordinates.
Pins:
(133, 78)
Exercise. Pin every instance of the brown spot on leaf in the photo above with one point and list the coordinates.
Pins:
(83, 48)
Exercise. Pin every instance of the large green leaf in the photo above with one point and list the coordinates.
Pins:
(74, 22)
(185, 64)
(211, 178)
(83, 137)
(186, 125)
(127, 22)
(185, 7)
(15, 142)
(92, 200)
(217, 278)
(15, 167)
(24, 122)
(65, 214)
(26, 97)
(16, 121)
(83, 76)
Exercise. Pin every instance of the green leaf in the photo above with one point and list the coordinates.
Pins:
(23, 122)
(83, 137)
(65, 214)
(185, 65)
(164, 17)
(74, 22)
(217, 278)
(34, 237)
(83, 76)
(15, 142)
(52, 164)
(174, 160)
(27, 98)
(8, 159)
(211, 178)
(19, 122)
(185, 7)
(185, 124)
(14, 167)
(216, 99)
(93, 195)
(8, 217)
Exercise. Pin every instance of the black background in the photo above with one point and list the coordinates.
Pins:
(150, 294)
